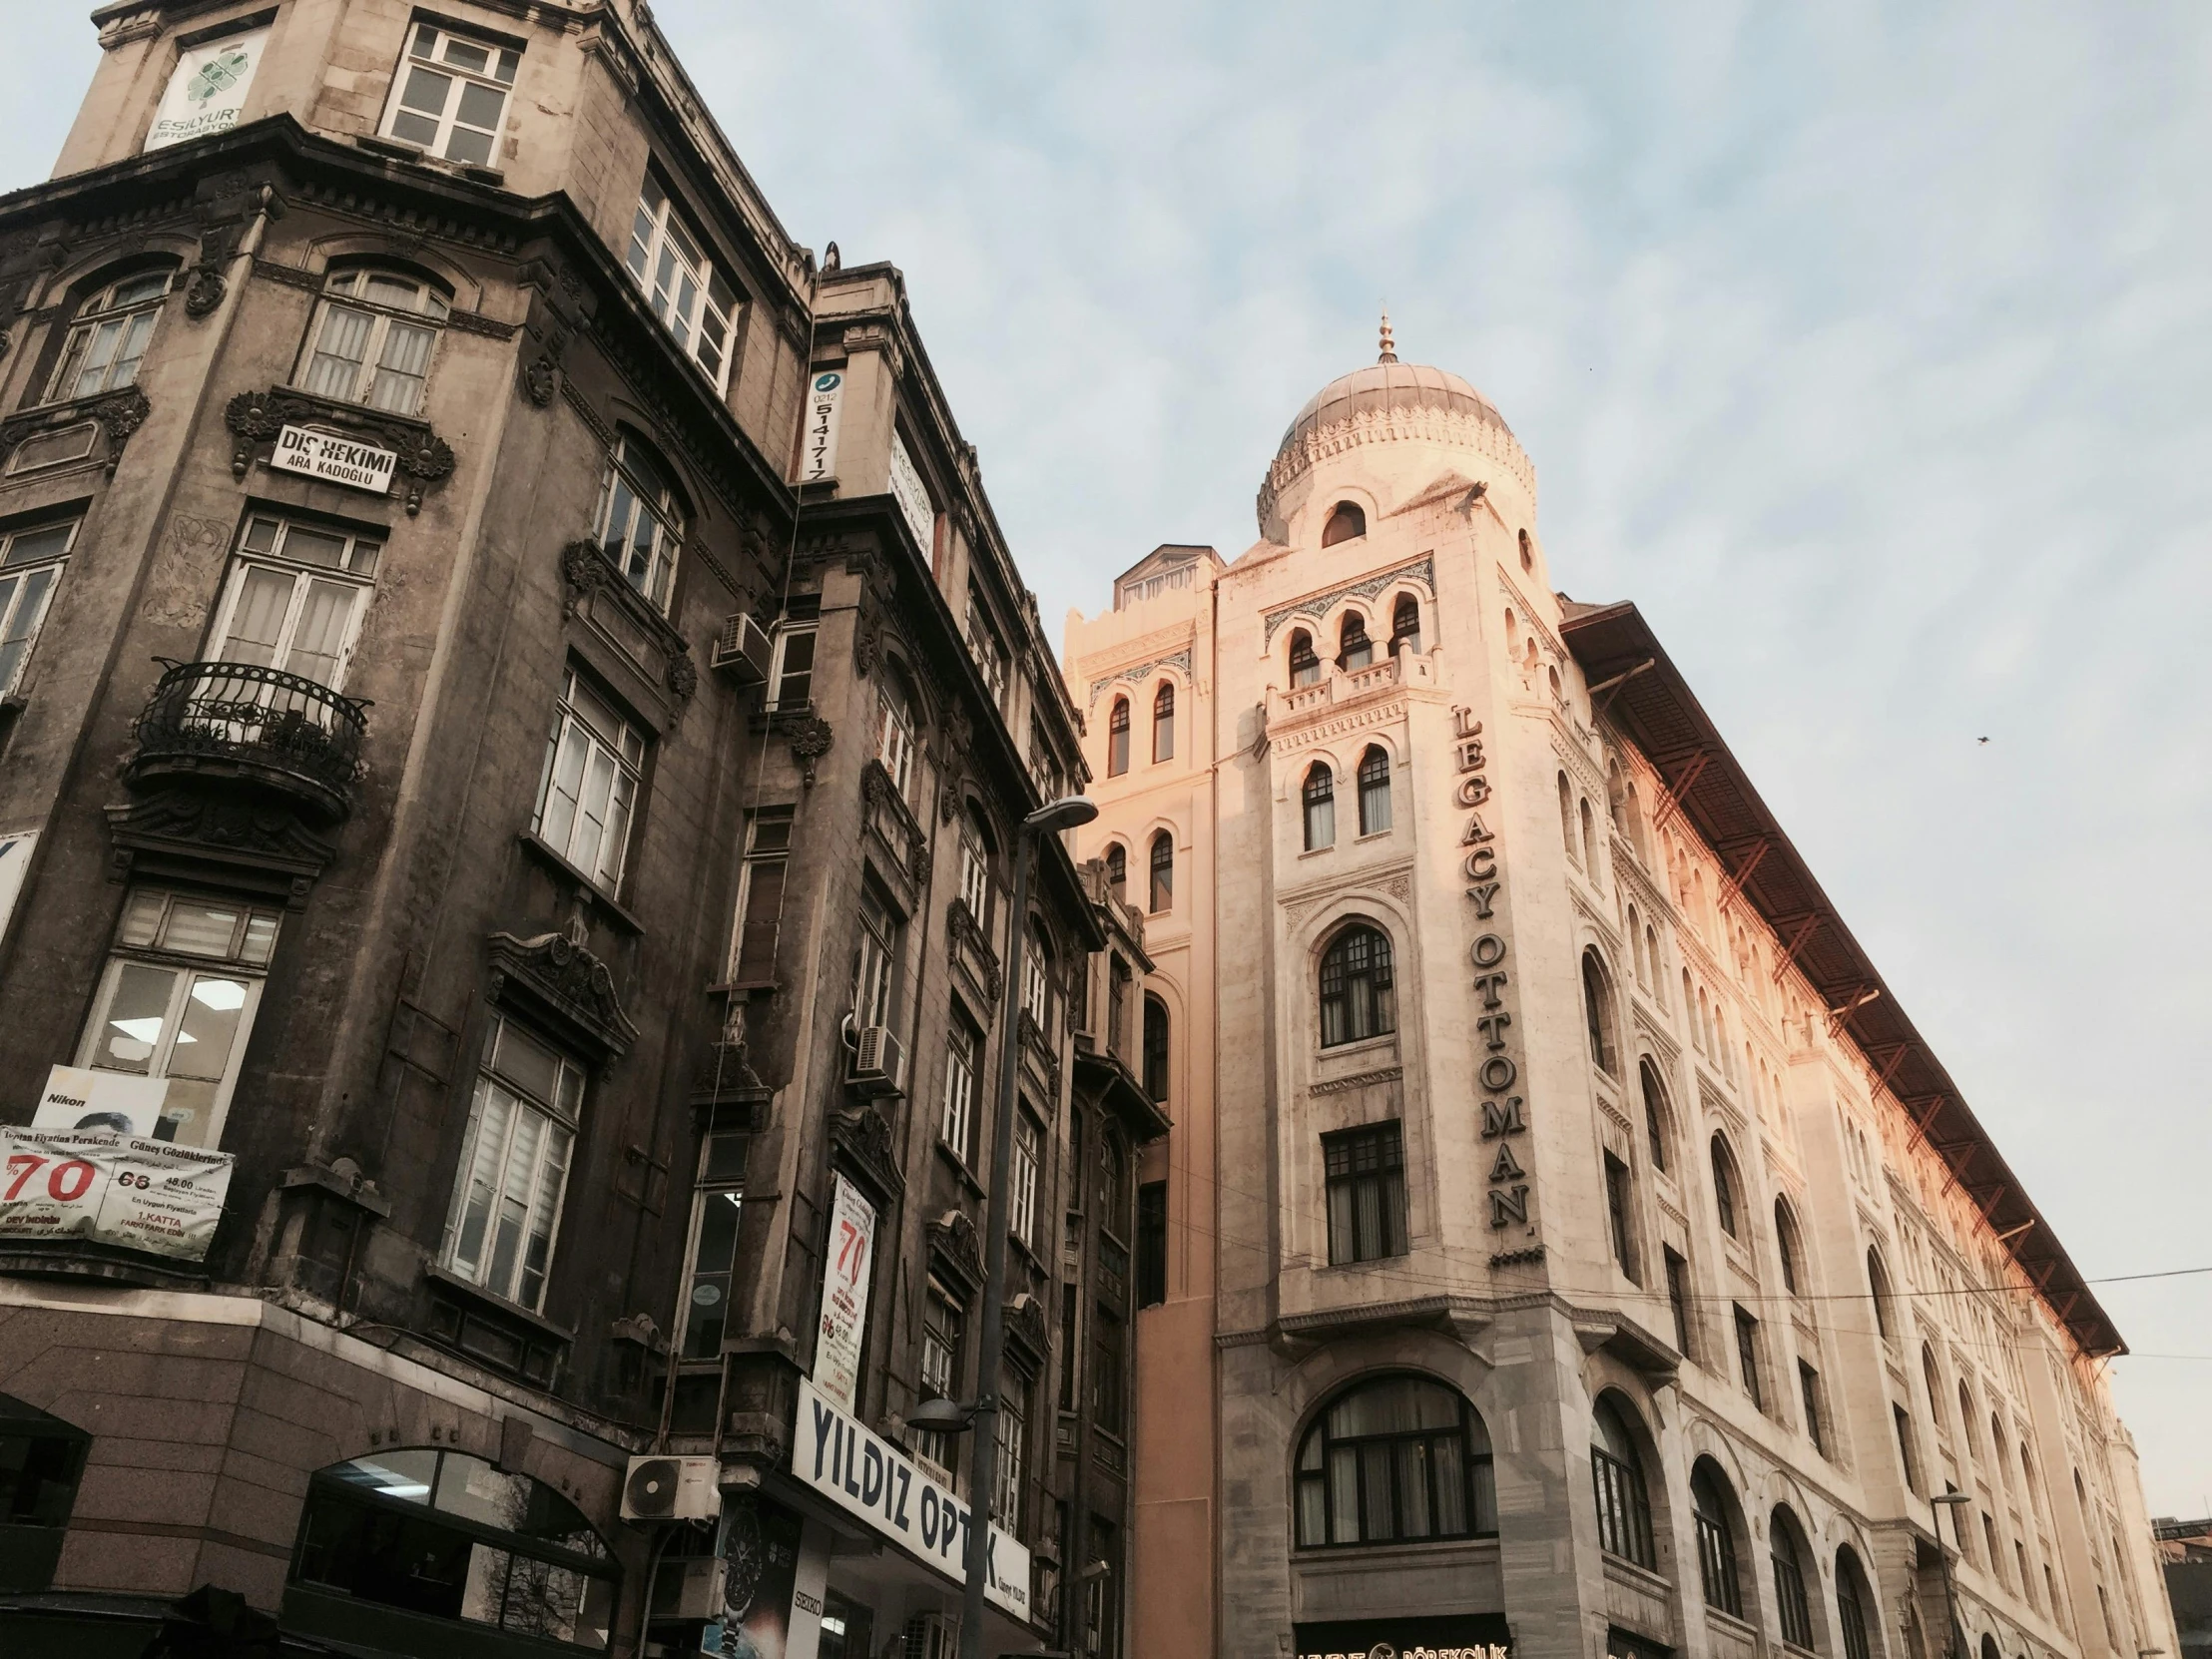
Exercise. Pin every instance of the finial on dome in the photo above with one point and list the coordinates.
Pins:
(1390, 345)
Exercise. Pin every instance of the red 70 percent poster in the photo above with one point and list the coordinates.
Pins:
(108, 1189)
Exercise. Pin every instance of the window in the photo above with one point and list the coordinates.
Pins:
(1116, 871)
(760, 912)
(792, 673)
(1619, 1214)
(1117, 738)
(178, 1001)
(894, 731)
(641, 521)
(1597, 1012)
(1305, 665)
(1878, 1286)
(975, 868)
(1747, 1355)
(1905, 1447)
(1013, 1439)
(30, 565)
(1156, 1050)
(42, 1460)
(295, 598)
(1989, 1538)
(1406, 626)
(1118, 982)
(1566, 816)
(941, 1326)
(716, 1208)
(2019, 1559)
(1021, 1200)
(1317, 797)
(1163, 873)
(1397, 1459)
(445, 1535)
(1852, 1597)
(107, 340)
(1996, 1449)
(1036, 979)
(1716, 1540)
(1789, 1584)
(1374, 792)
(451, 96)
(1723, 1186)
(1617, 1472)
(1355, 649)
(1364, 1177)
(1786, 1245)
(1152, 1246)
(372, 338)
(1589, 841)
(875, 959)
(680, 286)
(515, 1167)
(984, 645)
(1357, 996)
(1678, 1298)
(1346, 522)
(1109, 1388)
(958, 1123)
(1809, 1390)
(586, 801)
(1163, 722)
(1655, 1113)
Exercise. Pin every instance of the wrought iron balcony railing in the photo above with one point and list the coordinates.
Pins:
(280, 731)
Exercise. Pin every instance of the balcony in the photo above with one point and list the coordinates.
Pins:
(277, 733)
(1339, 687)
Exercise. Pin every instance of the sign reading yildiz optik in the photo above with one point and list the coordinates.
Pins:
(817, 444)
(844, 1285)
(335, 459)
(206, 89)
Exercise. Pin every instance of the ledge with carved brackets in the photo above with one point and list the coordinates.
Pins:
(955, 1251)
(217, 834)
(565, 985)
(117, 414)
(1027, 1341)
(894, 827)
(860, 1136)
(632, 623)
(974, 960)
(256, 418)
(1038, 1049)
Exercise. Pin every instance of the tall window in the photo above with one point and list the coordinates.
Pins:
(1905, 1447)
(177, 1001)
(372, 339)
(1027, 1159)
(1716, 1540)
(1163, 873)
(1395, 1460)
(1305, 663)
(1152, 1246)
(515, 1167)
(1619, 1216)
(1809, 1391)
(791, 674)
(1597, 1013)
(1786, 1245)
(1358, 998)
(1678, 1300)
(715, 1208)
(641, 520)
(1317, 799)
(894, 731)
(30, 565)
(956, 1125)
(1156, 1050)
(1723, 1187)
(1617, 1469)
(593, 763)
(975, 868)
(1109, 1384)
(1117, 738)
(1655, 1113)
(768, 841)
(1566, 816)
(680, 286)
(1013, 1440)
(1036, 979)
(1789, 1585)
(1852, 1598)
(1589, 841)
(295, 598)
(1346, 522)
(1364, 1177)
(451, 96)
(1747, 1355)
(1353, 649)
(942, 1323)
(1116, 871)
(1374, 792)
(1406, 626)
(107, 340)
(1878, 1287)
(1163, 722)
(984, 645)
(875, 959)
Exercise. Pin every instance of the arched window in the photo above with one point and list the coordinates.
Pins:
(1527, 557)
(1965, 1420)
(107, 340)
(1346, 522)
(1651, 955)
(1996, 1449)
(1317, 799)
(1566, 816)
(1395, 1460)
(2027, 1483)
(1852, 1598)
(1786, 1245)
(1989, 1648)
(1117, 738)
(1723, 1186)
(1616, 796)
(1636, 946)
(1156, 1050)
(641, 520)
(1116, 871)
(1163, 873)
(1357, 996)
(1617, 1472)
(1374, 791)
(1037, 978)
(976, 848)
(431, 1533)
(1716, 1538)
(372, 337)
(1597, 1012)
(1163, 722)
(1788, 1582)
(1655, 1112)
(1355, 649)
(894, 728)
(1405, 625)
(1305, 665)
(1878, 1287)
(1934, 1387)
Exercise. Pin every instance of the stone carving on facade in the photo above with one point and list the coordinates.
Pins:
(809, 737)
(1026, 1330)
(955, 1247)
(682, 677)
(1316, 606)
(1180, 661)
(893, 821)
(256, 418)
(118, 415)
(540, 380)
(204, 292)
(567, 982)
(868, 635)
(863, 1137)
(584, 571)
(972, 950)
(217, 829)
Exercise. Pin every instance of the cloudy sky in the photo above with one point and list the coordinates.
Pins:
(1865, 347)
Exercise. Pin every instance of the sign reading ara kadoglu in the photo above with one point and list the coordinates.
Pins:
(206, 89)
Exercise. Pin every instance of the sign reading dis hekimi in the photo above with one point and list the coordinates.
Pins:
(334, 460)
(206, 89)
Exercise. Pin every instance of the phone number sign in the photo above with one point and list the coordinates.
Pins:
(142, 1195)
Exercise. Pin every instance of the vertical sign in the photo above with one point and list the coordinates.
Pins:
(848, 1261)
(760, 1546)
(206, 89)
(818, 448)
(15, 858)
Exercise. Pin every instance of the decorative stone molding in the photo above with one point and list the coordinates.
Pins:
(955, 1250)
(1357, 1080)
(1449, 428)
(561, 979)
(1318, 606)
(893, 820)
(973, 955)
(809, 737)
(204, 292)
(291, 275)
(256, 418)
(1026, 1332)
(242, 841)
(862, 1135)
(118, 415)
(1180, 660)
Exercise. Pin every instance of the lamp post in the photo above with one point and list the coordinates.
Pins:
(1938, 1505)
(1049, 820)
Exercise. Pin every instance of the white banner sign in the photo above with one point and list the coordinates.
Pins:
(206, 89)
(110, 1189)
(846, 1274)
(339, 460)
(837, 1455)
(818, 450)
(101, 1102)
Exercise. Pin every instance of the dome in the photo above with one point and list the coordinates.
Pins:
(1384, 387)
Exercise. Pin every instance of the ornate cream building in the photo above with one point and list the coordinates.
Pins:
(1565, 1242)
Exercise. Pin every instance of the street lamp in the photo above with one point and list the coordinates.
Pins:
(1938, 1504)
(1050, 820)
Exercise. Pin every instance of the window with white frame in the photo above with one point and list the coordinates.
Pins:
(1013, 1438)
(107, 340)
(295, 596)
(976, 868)
(589, 793)
(515, 1167)
(791, 674)
(895, 732)
(31, 561)
(372, 338)
(639, 523)
(1036, 980)
(916, 504)
(760, 912)
(450, 94)
(1027, 1160)
(681, 284)
(717, 1207)
(959, 1121)
(983, 640)
(942, 1321)
(876, 961)
(176, 1002)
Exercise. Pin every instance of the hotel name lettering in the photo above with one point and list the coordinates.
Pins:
(1504, 1113)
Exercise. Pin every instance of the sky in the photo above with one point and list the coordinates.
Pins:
(1865, 347)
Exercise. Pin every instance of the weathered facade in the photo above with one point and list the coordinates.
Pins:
(1586, 1254)
(516, 714)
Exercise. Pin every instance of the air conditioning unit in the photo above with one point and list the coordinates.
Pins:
(930, 1636)
(691, 1588)
(879, 1063)
(742, 650)
(671, 1488)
